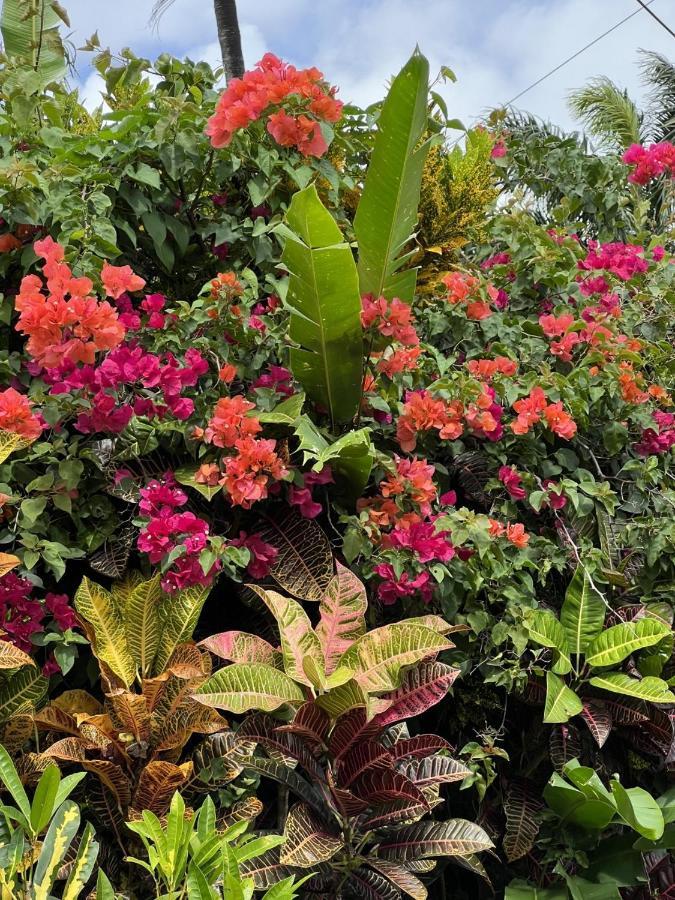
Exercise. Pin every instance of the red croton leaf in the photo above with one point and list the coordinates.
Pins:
(419, 746)
(382, 785)
(599, 721)
(422, 688)
(361, 758)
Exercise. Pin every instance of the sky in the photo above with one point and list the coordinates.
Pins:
(495, 47)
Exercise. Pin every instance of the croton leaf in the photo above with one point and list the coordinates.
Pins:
(561, 702)
(596, 715)
(653, 689)
(304, 562)
(308, 840)
(178, 616)
(83, 866)
(11, 657)
(363, 756)
(311, 723)
(158, 782)
(583, 612)
(266, 870)
(395, 812)
(614, 644)
(456, 837)
(419, 746)
(298, 640)
(434, 770)
(8, 562)
(242, 686)
(342, 609)
(380, 656)
(521, 809)
(241, 647)
(383, 785)
(98, 608)
(10, 441)
(400, 876)
(21, 692)
(546, 630)
(281, 773)
(371, 885)
(349, 729)
(420, 689)
(142, 623)
(57, 841)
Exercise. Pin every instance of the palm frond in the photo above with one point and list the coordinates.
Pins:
(608, 114)
(658, 74)
(158, 10)
(527, 125)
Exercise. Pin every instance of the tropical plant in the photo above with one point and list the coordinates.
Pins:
(36, 835)
(588, 652)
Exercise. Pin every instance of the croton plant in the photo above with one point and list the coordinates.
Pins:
(337, 560)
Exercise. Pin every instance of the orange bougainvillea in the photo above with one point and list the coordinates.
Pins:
(16, 415)
(66, 323)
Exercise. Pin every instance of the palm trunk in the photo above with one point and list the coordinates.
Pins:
(229, 38)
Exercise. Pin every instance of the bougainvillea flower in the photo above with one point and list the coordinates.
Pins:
(16, 415)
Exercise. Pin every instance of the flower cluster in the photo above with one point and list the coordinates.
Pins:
(514, 532)
(659, 439)
(623, 260)
(512, 481)
(487, 369)
(302, 496)
(247, 474)
(423, 412)
(466, 289)
(166, 529)
(262, 554)
(17, 416)
(114, 387)
(260, 91)
(22, 616)
(650, 162)
(393, 319)
(532, 408)
(67, 324)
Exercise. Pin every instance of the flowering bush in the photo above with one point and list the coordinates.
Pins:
(493, 452)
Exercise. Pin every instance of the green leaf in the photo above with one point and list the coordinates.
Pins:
(145, 174)
(42, 806)
(54, 848)
(561, 702)
(21, 692)
(104, 890)
(99, 609)
(582, 614)
(639, 809)
(655, 690)
(325, 306)
(83, 866)
(618, 642)
(243, 686)
(378, 658)
(387, 213)
(284, 413)
(545, 629)
(10, 779)
(30, 32)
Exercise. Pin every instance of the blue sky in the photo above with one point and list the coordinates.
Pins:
(496, 47)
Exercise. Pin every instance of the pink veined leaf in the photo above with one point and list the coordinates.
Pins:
(400, 876)
(309, 840)
(626, 711)
(564, 745)
(382, 785)
(238, 646)
(597, 718)
(422, 687)
(311, 723)
(419, 746)
(363, 756)
(342, 608)
(395, 812)
(434, 770)
(455, 837)
(347, 803)
(266, 870)
(372, 885)
(262, 729)
(350, 728)
(521, 808)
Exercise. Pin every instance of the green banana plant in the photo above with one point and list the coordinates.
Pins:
(190, 856)
(587, 654)
(42, 830)
(30, 35)
(325, 285)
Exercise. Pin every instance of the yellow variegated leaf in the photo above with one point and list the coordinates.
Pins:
(142, 623)
(343, 609)
(307, 839)
(10, 442)
(57, 841)
(99, 609)
(123, 588)
(241, 687)
(378, 659)
(178, 617)
(8, 562)
(83, 865)
(11, 657)
(158, 782)
(298, 640)
(21, 691)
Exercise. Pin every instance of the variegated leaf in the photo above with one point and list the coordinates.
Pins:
(129, 714)
(298, 640)
(304, 562)
(369, 885)
(342, 609)
(421, 688)
(363, 756)
(97, 607)
(598, 719)
(78, 703)
(434, 770)
(70, 749)
(521, 808)
(11, 657)
(455, 837)
(83, 865)
(242, 811)
(564, 745)
(60, 834)
(296, 784)
(419, 746)
(383, 785)
(266, 870)
(378, 659)
(395, 812)
(8, 562)
(141, 617)
(113, 779)
(311, 723)
(241, 687)
(261, 729)
(401, 877)
(240, 647)
(21, 692)
(349, 729)
(308, 841)
(157, 784)
(10, 442)
(178, 616)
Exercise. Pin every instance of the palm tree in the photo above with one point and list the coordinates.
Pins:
(229, 36)
(615, 121)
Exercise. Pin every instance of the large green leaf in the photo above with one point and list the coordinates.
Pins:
(30, 33)
(583, 612)
(386, 217)
(639, 809)
(379, 657)
(244, 686)
(655, 690)
(98, 607)
(545, 629)
(615, 644)
(83, 865)
(325, 306)
(561, 702)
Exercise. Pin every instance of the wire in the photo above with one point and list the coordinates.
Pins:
(654, 16)
(573, 56)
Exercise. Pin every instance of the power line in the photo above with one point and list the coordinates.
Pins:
(574, 56)
(654, 16)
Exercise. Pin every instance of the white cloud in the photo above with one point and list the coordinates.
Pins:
(496, 47)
